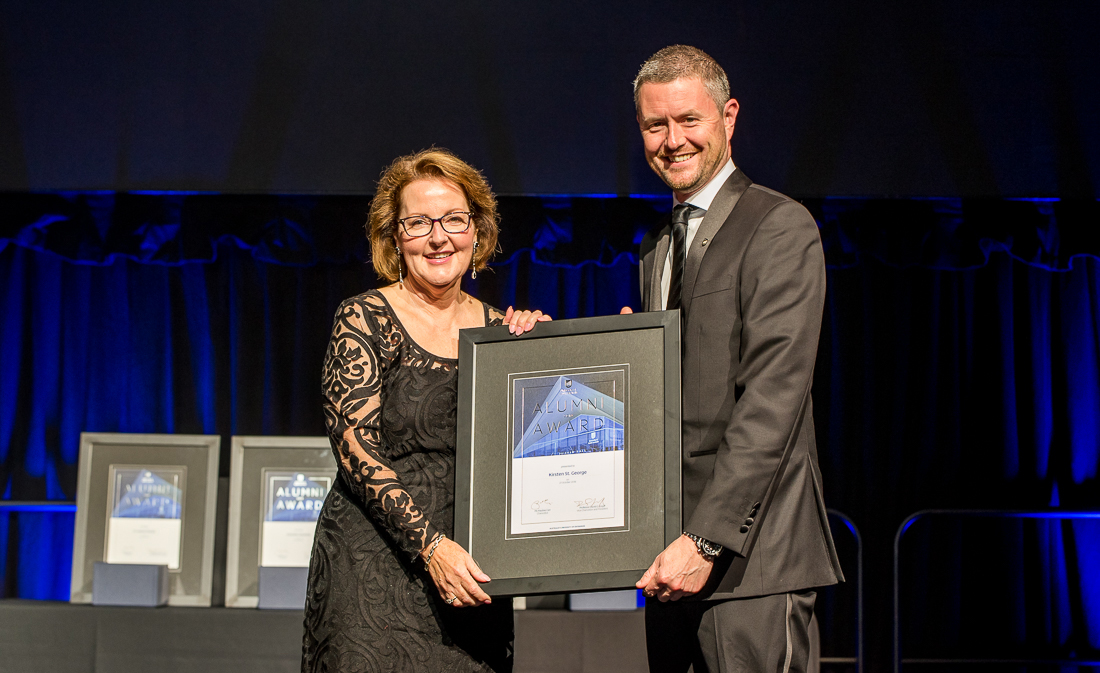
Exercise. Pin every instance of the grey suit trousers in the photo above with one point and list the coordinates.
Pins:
(751, 635)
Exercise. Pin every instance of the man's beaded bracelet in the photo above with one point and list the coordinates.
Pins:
(435, 543)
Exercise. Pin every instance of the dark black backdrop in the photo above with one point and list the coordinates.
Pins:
(942, 97)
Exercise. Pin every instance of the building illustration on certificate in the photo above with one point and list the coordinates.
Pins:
(568, 451)
(145, 521)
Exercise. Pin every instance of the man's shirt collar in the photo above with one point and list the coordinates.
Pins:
(705, 196)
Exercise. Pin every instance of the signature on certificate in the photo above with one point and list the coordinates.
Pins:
(590, 503)
(541, 505)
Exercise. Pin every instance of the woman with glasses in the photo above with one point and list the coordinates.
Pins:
(388, 589)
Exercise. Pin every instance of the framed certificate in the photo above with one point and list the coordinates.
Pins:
(567, 474)
(147, 499)
(145, 519)
(291, 501)
(277, 486)
(568, 469)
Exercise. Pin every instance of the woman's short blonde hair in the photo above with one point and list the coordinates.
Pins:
(429, 164)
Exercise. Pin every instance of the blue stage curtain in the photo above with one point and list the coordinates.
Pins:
(959, 362)
(971, 388)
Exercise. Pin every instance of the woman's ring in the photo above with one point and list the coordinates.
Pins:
(450, 600)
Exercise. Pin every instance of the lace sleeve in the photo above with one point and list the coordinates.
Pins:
(493, 316)
(362, 347)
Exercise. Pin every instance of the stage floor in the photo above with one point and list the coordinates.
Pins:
(53, 637)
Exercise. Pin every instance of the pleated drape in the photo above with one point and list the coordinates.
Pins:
(958, 368)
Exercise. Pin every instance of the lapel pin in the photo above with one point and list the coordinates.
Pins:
(705, 241)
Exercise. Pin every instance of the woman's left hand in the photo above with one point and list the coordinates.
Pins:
(519, 322)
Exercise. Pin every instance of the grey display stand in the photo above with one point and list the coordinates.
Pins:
(131, 585)
(283, 588)
(625, 599)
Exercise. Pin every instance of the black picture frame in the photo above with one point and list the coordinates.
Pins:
(645, 344)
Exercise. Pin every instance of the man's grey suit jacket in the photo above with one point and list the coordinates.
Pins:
(753, 294)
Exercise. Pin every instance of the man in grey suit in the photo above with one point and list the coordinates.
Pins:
(744, 265)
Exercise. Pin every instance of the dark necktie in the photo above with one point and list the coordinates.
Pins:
(680, 216)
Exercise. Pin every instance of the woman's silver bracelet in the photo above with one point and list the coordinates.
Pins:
(438, 539)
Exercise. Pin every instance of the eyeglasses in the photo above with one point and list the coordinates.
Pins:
(416, 226)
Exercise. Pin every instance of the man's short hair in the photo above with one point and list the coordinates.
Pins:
(681, 61)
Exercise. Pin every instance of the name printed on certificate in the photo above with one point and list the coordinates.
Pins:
(292, 500)
(568, 451)
(145, 521)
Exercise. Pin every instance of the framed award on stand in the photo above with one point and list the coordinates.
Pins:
(147, 499)
(277, 486)
(568, 466)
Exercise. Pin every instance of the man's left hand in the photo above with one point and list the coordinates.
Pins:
(519, 322)
(680, 570)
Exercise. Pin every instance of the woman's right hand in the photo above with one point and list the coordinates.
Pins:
(456, 575)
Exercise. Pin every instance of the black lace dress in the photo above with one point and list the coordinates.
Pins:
(371, 606)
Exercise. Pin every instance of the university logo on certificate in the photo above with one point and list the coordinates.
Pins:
(292, 500)
(569, 447)
(145, 521)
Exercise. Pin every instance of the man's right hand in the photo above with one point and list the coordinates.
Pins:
(680, 570)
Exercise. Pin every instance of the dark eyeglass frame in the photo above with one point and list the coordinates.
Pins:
(434, 220)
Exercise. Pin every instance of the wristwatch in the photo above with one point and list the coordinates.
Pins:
(709, 550)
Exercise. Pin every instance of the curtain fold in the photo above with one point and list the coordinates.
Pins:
(959, 363)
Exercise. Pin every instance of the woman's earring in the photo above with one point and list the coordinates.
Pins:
(400, 274)
(473, 276)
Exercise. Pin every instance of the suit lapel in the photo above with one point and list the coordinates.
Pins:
(724, 202)
(660, 253)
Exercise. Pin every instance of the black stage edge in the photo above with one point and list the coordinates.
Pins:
(50, 637)
(53, 637)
